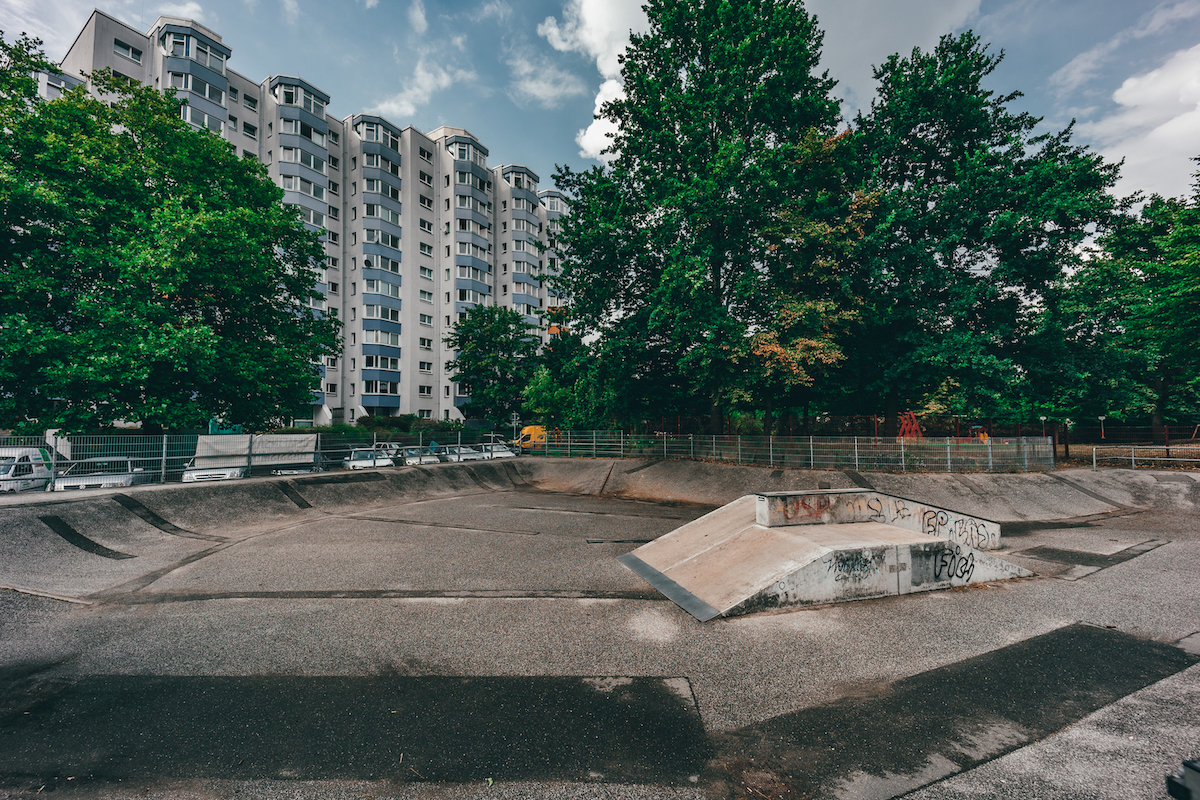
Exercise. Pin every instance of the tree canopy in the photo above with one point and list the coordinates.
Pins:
(495, 357)
(748, 248)
(147, 273)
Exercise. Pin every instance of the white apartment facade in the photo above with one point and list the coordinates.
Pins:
(417, 227)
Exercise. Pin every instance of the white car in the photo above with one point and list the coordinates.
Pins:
(418, 455)
(101, 473)
(24, 468)
(457, 452)
(497, 451)
(194, 474)
(367, 458)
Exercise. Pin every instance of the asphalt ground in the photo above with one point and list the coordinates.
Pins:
(485, 643)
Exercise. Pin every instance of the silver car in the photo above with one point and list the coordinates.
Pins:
(366, 458)
(497, 451)
(417, 455)
(457, 452)
(101, 473)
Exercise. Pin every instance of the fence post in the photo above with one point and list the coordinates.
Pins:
(622, 443)
(989, 449)
(665, 434)
(249, 455)
(53, 482)
(459, 438)
(903, 466)
(692, 446)
(714, 447)
(1024, 454)
(856, 454)
(568, 444)
(739, 448)
(811, 458)
(593, 444)
(162, 467)
(1093, 459)
(375, 439)
(948, 455)
(1132, 457)
(771, 450)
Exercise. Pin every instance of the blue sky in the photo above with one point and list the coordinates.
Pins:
(525, 75)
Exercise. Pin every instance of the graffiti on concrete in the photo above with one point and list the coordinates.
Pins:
(951, 564)
(805, 507)
(964, 530)
(853, 565)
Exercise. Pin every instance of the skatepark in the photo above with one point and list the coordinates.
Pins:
(477, 630)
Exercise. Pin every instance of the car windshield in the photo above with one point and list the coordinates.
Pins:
(6, 464)
(362, 454)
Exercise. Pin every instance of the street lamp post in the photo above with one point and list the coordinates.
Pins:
(1101, 418)
(1043, 418)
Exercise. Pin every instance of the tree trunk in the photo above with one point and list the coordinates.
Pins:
(1161, 387)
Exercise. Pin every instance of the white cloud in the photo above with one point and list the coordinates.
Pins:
(599, 29)
(188, 10)
(416, 17)
(597, 137)
(427, 79)
(496, 8)
(537, 80)
(861, 34)
(371, 3)
(55, 22)
(1154, 128)
(291, 11)
(1085, 66)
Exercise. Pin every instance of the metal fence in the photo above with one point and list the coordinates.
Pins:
(1024, 454)
(1148, 457)
(76, 461)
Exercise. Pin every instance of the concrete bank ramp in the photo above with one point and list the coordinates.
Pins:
(781, 549)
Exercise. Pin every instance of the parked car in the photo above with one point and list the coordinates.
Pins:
(195, 474)
(497, 450)
(367, 458)
(418, 455)
(101, 473)
(456, 452)
(24, 468)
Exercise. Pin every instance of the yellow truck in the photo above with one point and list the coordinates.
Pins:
(531, 436)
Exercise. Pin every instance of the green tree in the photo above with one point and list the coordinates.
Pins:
(495, 356)
(146, 272)
(976, 219)
(693, 239)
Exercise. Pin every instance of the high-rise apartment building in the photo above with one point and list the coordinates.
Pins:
(418, 228)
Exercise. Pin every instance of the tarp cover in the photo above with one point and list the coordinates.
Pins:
(268, 449)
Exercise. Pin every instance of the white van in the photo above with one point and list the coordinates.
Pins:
(24, 468)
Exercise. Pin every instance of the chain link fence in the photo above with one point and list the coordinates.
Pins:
(946, 454)
(1146, 457)
(112, 461)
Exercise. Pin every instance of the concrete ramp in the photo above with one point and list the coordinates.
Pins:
(792, 549)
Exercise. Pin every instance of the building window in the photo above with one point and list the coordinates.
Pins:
(426, 249)
(425, 391)
(427, 320)
(425, 154)
(333, 237)
(333, 287)
(426, 297)
(426, 178)
(426, 202)
(250, 102)
(333, 137)
(425, 344)
(425, 366)
(330, 388)
(333, 161)
(446, 390)
(129, 51)
(331, 362)
(424, 413)
(381, 362)
(333, 212)
(210, 58)
(250, 130)
(426, 225)
(333, 188)
(426, 272)
(233, 95)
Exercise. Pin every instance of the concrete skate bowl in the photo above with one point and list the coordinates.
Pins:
(96, 543)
